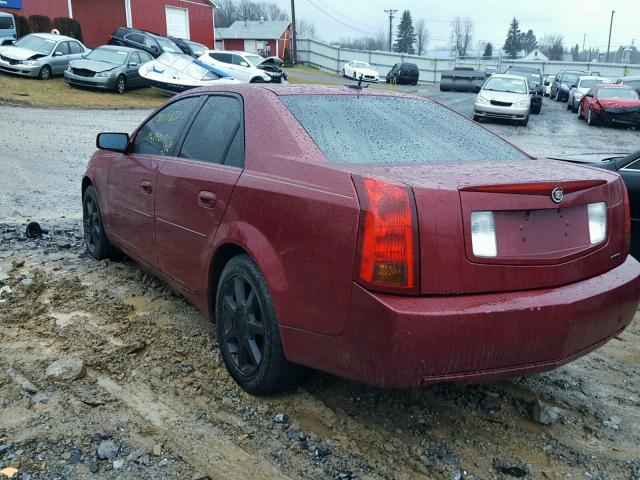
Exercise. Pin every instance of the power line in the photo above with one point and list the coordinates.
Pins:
(343, 15)
(340, 21)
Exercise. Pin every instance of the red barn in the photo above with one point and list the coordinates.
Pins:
(191, 19)
(267, 38)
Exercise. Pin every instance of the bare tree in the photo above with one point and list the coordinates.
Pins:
(229, 11)
(274, 12)
(422, 36)
(552, 46)
(378, 42)
(306, 29)
(461, 35)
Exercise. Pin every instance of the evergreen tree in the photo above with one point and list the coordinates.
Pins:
(406, 36)
(488, 50)
(529, 42)
(513, 43)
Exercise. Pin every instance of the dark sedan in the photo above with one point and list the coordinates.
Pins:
(628, 166)
(431, 251)
(108, 68)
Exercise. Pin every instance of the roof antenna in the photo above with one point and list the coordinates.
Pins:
(358, 86)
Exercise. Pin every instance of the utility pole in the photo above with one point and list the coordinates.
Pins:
(391, 13)
(610, 29)
(584, 39)
(294, 35)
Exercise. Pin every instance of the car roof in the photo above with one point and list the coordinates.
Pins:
(506, 75)
(289, 90)
(119, 48)
(6, 14)
(51, 36)
(524, 69)
(592, 77)
(613, 85)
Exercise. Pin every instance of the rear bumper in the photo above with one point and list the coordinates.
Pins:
(402, 342)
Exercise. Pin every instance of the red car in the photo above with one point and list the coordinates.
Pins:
(607, 104)
(377, 236)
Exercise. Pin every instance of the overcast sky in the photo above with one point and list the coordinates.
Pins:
(570, 18)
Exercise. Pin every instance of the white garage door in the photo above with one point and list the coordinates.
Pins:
(177, 22)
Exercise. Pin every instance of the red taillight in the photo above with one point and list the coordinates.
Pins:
(388, 243)
(110, 37)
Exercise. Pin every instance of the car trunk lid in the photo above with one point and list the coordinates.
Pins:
(540, 243)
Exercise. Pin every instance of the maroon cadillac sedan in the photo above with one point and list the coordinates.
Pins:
(377, 236)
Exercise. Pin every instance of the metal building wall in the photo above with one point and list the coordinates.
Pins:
(150, 15)
(49, 8)
(99, 19)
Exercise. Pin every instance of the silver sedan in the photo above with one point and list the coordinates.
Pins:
(40, 55)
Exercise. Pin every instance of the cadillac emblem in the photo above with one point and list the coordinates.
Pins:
(557, 195)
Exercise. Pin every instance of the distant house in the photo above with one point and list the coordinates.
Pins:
(266, 38)
(536, 55)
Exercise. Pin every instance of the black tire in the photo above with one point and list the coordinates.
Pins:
(45, 73)
(557, 99)
(248, 333)
(476, 118)
(569, 105)
(525, 122)
(536, 109)
(580, 111)
(344, 72)
(354, 76)
(257, 80)
(591, 120)
(121, 84)
(95, 238)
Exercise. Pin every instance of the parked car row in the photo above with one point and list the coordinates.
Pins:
(400, 73)
(597, 99)
(117, 66)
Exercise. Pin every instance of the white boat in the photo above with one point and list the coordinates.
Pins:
(173, 73)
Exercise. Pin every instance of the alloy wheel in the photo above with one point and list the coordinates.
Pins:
(243, 327)
(121, 85)
(91, 223)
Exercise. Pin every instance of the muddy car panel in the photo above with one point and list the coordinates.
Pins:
(298, 206)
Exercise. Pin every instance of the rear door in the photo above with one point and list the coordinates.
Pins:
(194, 188)
(133, 177)
(133, 64)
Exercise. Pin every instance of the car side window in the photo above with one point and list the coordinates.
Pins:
(62, 48)
(134, 58)
(135, 37)
(161, 133)
(149, 42)
(215, 137)
(75, 48)
(145, 57)
(635, 166)
(236, 59)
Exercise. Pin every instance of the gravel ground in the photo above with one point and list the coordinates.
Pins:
(105, 373)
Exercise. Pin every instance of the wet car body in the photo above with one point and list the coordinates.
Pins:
(40, 55)
(108, 68)
(306, 211)
(628, 167)
(611, 104)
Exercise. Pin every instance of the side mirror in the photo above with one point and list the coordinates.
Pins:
(57, 54)
(574, 85)
(589, 95)
(133, 64)
(155, 48)
(116, 142)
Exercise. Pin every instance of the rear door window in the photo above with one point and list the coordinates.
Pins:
(75, 47)
(134, 58)
(215, 137)
(145, 57)
(397, 130)
(135, 38)
(160, 135)
(221, 57)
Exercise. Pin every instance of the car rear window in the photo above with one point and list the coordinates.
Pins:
(381, 129)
